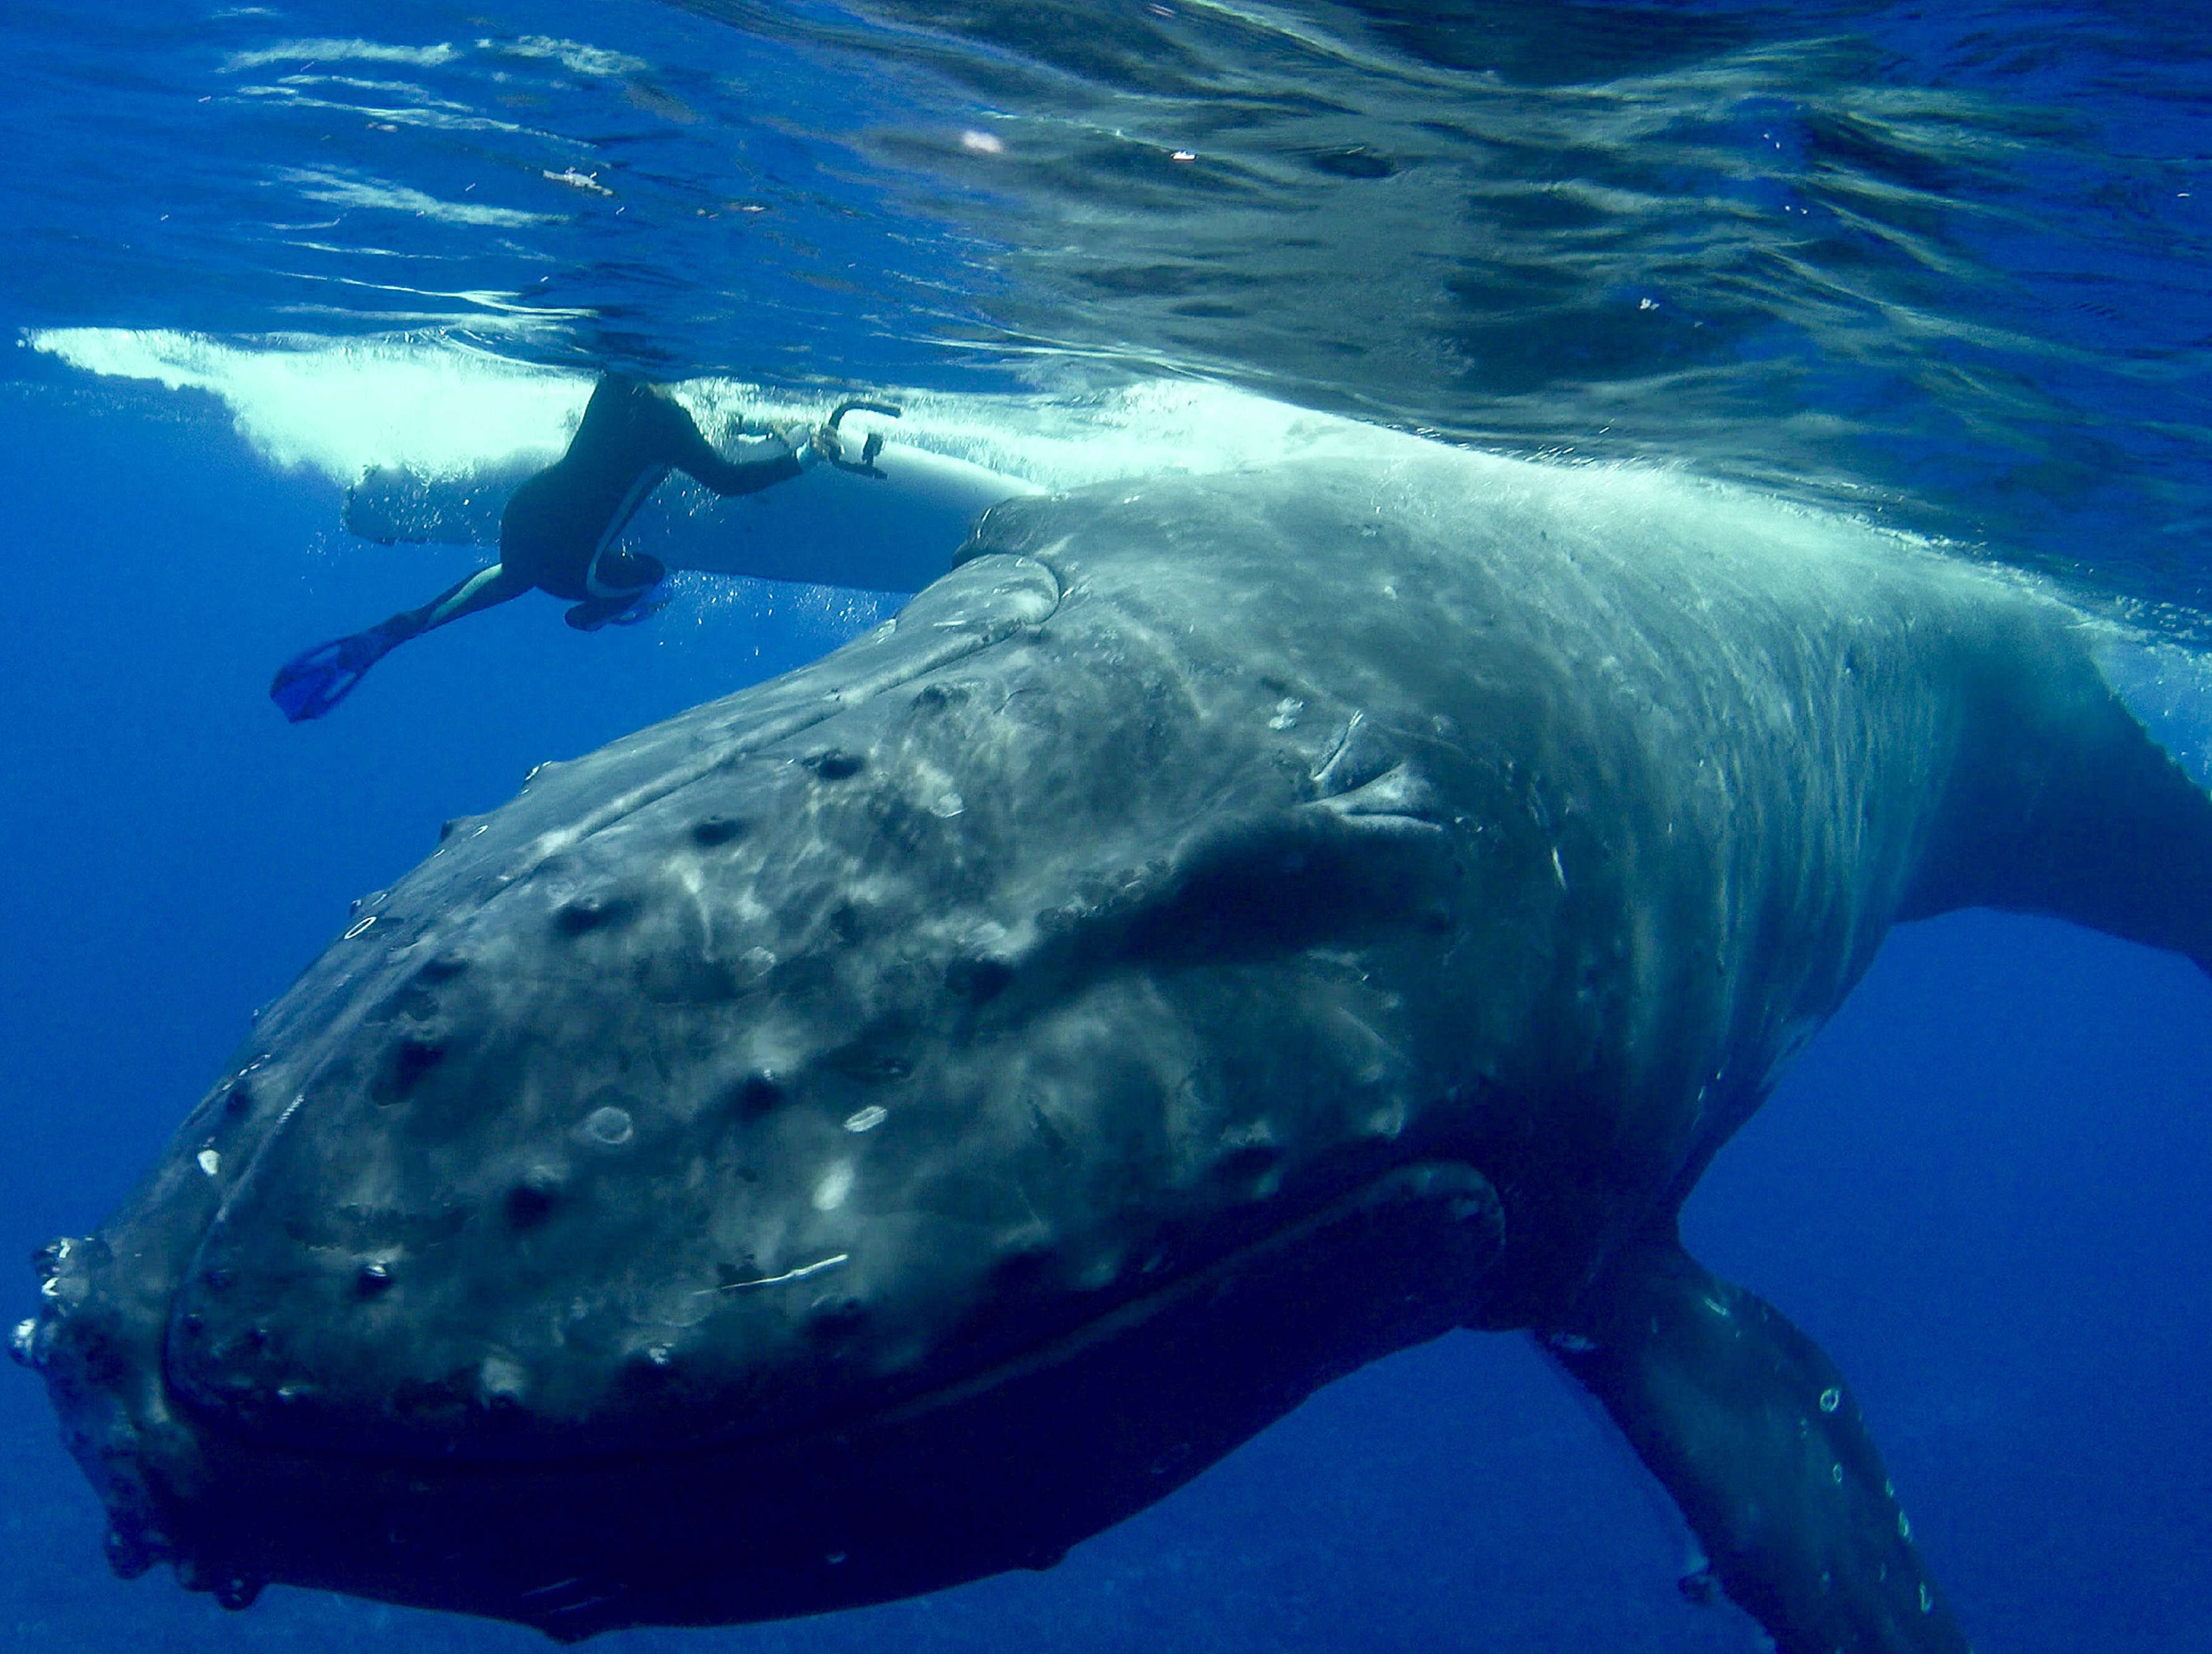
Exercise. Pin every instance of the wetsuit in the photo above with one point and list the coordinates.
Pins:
(557, 535)
(558, 532)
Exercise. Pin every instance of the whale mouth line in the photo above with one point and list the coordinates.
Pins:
(1405, 1185)
(1134, 1312)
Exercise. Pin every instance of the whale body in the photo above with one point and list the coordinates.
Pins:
(886, 1125)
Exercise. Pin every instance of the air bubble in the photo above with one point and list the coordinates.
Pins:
(1831, 1399)
(866, 1119)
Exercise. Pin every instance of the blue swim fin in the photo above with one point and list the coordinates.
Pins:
(310, 684)
(621, 609)
(645, 605)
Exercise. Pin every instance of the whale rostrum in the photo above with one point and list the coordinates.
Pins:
(884, 1126)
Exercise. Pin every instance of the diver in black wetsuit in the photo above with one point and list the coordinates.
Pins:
(558, 533)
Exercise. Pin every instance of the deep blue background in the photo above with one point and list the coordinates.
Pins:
(1984, 1189)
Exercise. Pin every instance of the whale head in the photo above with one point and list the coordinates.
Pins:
(867, 1132)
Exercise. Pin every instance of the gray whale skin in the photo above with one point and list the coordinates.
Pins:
(884, 1126)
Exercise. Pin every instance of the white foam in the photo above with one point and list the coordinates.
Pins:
(334, 189)
(342, 406)
(450, 413)
(330, 49)
(460, 417)
(425, 404)
(587, 62)
(1139, 430)
(592, 62)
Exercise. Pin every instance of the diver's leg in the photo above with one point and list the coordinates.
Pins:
(310, 684)
(483, 590)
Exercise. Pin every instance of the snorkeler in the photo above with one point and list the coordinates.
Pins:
(558, 533)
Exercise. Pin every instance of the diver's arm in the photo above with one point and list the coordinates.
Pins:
(728, 477)
(682, 446)
(696, 457)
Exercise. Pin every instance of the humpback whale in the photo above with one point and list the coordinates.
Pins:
(886, 1125)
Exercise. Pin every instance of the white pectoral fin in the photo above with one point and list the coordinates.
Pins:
(892, 532)
(895, 532)
(398, 504)
(2168, 689)
(2079, 792)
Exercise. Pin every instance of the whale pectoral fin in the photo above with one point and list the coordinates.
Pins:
(1753, 1432)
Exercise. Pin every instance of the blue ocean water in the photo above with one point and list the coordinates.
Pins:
(1945, 270)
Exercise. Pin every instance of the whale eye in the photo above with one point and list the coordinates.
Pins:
(1286, 885)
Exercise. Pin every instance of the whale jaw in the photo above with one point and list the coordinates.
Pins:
(984, 1475)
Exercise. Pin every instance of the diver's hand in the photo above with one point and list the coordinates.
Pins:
(813, 443)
